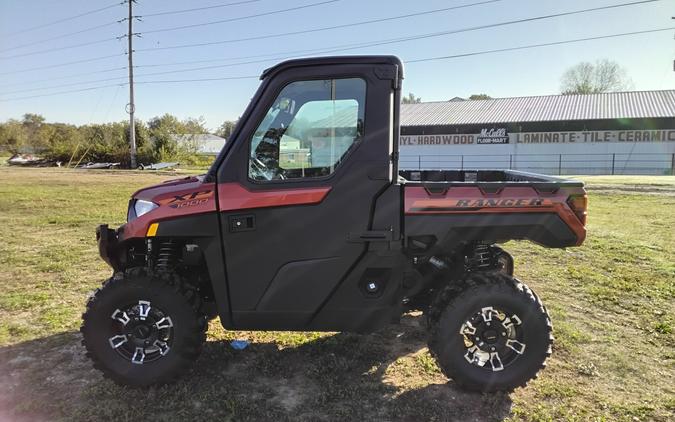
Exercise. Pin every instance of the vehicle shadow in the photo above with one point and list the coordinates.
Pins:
(385, 376)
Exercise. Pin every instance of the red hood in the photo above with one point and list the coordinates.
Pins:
(157, 192)
(176, 198)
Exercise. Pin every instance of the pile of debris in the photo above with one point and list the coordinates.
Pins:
(158, 166)
(29, 160)
(93, 166)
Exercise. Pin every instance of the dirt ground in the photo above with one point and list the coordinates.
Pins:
(336, 377)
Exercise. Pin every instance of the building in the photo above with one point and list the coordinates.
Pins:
(610, 133)
(201, 143)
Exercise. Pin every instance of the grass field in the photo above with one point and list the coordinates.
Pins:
(612, 304)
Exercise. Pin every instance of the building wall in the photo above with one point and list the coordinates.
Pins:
(615, 147)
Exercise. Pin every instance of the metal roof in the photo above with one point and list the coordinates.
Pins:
(615, 105)
(345, 117)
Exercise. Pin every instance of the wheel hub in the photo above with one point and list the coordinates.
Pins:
(141, 332)
(492, 338)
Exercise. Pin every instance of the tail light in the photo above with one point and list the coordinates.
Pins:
(579, 204)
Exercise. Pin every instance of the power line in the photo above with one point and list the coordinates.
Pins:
(125, 83)
(50, 50)
(353, 24)
(333, 49)
(44, 40)
(344, 26)
(474, 53)
(91, 12)
(51, 66)
(102, 80)
(281, 56)
(107, 113)
(344, 47)
(227, 78)
(193, 69)
(366, 45)
(548, 44)
(63, 85)
(73, 75)
(404, 39)
(117, 91)
(67, 47)
(273, 12)
(311, 50)
(61, 92)
(174, 12)
(326, 28)
(359, 23)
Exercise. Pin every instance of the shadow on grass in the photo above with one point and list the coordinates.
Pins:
(339, 377)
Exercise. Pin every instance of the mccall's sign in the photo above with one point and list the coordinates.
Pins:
(499, 136)
(492, 136)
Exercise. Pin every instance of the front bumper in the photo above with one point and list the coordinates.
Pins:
(108, 245)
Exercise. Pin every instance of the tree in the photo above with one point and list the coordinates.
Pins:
(34, 125)
(63, 140)
(194, 126)
(163, 131)
(480, 97)
(33, 120)
(592, 78)
(411, 99)
(173, 138)
(12, 136)
(163, 138)
(225, 130)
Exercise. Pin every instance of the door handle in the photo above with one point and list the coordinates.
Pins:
(371, 236)
(241, 223)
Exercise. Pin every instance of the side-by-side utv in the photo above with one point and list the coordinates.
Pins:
(304, 222)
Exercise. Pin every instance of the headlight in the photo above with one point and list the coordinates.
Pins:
(140, 207)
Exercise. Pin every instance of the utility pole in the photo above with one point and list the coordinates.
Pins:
(131, 107)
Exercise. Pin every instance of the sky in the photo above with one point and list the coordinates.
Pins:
(29, 39)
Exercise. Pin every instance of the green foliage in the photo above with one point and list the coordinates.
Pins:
(225, 130)
(172, 139)
(164, 138)
(13, 137)
(593, 78)
(411, 99)
(480, 97)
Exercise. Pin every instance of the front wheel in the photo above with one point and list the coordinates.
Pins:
(141, 330)
(492, 335)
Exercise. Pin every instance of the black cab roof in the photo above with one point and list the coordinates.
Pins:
(332, 60)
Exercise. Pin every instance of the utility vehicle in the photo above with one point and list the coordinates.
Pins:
(305, 223)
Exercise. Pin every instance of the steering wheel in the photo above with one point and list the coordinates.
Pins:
(265, 172)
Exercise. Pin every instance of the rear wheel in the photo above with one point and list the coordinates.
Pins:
(141, 330)
(492, 334)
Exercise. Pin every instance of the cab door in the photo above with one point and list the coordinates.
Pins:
(297, 190)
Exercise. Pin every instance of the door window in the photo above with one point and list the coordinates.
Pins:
(309, 130)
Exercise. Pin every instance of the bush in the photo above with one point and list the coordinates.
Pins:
(156, 141)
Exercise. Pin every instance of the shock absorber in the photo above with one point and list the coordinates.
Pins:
(481, 257)
(167, 254)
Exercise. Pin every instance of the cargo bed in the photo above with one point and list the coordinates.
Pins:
(493, 205)
(508, 177)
